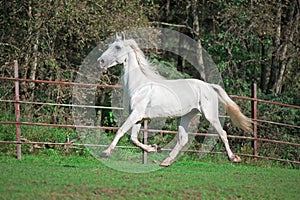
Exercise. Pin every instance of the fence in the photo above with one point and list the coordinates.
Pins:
(18, 123)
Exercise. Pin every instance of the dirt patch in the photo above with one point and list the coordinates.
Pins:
(186, 194)
(107, 191)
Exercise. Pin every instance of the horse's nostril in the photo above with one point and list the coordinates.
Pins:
(100, 60)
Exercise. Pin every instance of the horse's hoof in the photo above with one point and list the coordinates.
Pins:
(167, 162)
(105, 154)
(235, 159)
(155, 148)
(164, 164)
(158, 149)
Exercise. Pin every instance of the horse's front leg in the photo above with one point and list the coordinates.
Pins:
(134, 139)
(130, 121)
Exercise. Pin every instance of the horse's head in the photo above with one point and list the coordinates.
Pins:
(116, 53)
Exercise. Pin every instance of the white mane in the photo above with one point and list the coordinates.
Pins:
(146, 67)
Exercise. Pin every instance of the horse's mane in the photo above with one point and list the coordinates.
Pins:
(146, 67)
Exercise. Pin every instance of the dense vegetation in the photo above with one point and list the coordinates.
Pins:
(250, 41)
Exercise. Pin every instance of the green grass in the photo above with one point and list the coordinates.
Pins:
(71, 177)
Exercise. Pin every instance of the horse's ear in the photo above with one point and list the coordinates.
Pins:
(123, 36)
(116, 36)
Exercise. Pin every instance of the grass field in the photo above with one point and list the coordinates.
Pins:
(62, 177)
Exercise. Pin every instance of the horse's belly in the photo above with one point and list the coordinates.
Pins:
(169, 103)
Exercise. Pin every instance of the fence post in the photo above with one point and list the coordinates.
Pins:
(145, 136)
(254, 117)
(17, 111)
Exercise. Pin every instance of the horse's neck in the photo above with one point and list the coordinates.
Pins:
(133, 75)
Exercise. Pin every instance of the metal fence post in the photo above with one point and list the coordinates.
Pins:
(17, 111)
(254, 117)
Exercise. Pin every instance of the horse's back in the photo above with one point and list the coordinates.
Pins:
(173, 97)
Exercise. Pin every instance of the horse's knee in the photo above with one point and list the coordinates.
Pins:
(182, 136)
(133, 139)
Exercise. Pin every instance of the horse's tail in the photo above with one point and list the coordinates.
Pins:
(237, 117)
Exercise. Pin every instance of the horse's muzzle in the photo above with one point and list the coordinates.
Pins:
(101, 62)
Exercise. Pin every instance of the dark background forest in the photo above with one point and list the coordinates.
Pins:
(251, 41)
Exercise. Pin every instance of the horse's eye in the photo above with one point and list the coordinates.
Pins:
(118, 47)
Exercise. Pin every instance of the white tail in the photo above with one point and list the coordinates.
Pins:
(237, 117)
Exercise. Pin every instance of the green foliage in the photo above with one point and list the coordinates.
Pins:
(167, 68)
(279, 114)
(50, 39)
(34, 134)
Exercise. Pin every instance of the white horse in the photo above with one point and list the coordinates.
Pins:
(152, 96)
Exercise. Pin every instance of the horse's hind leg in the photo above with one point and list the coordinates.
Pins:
(182, 139)
(232, 157)
(134, 134)
(212, 117)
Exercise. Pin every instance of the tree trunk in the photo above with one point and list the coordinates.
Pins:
(263, 74)
(34, 65)
(287, 26)
(179, 58)
(275, 57)
(196, 31)
(293, 24)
